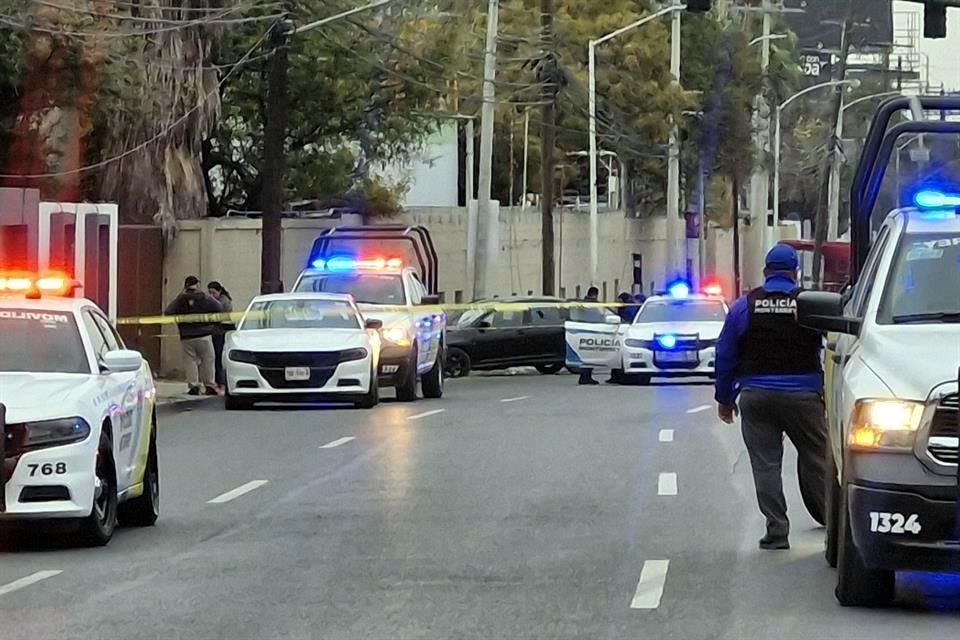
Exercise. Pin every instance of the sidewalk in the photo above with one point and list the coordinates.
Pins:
(173, 392)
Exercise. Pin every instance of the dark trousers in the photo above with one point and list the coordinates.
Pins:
(218, 339)
(766, 416)
(586, 375)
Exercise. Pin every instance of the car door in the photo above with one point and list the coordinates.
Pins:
(427, 336)
(501, 337)
(125, 392)
(590, 340)
(545, 335)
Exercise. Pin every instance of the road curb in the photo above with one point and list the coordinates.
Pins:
(182, 404)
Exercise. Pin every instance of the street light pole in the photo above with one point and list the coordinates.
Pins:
(487, 215)
(592, 115)
(755, 234)
(675, 232)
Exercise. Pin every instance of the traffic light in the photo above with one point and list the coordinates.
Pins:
(934, 20)
(699, 6)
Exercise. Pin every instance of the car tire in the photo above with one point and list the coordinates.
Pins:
(833, 511)
(144, 510)
(372, 397)
(97, 529)
(549, 369)
(857, 585)
(407, 388)
(457, 363)
(233, 403)
(432, 381)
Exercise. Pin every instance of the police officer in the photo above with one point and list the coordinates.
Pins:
(774, 365)
(586, 375)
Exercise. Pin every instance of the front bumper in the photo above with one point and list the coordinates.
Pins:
(640, 360)
(35, 488)
(347, 378)
(394, 364)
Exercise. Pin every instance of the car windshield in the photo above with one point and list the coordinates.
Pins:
(366, 288)
(925, 280)
(38, 341)
(300, 314)
(681, 311)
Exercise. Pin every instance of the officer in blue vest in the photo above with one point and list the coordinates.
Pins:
(773, 364)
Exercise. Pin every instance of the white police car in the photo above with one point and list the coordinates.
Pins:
(77, 414)
(297, 347)
(673, 336)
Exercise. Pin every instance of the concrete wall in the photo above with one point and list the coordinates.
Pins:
(228, 250)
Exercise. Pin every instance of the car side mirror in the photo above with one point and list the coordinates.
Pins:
(122, 361)
(373, 323)
(484, 324)
(430, 300)
(612, 319)
(823, 310)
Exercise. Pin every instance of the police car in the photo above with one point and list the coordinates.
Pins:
(414, 330)
(302, 347)
(90, 455)
(893, 403)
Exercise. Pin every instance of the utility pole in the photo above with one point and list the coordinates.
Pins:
(760, 179)
(675, 233)
(737, 280)
(821, 225)
(548, 79)
(274, 156)
(488, 219)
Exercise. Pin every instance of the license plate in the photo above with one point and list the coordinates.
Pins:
(677, 356)
(293, 374)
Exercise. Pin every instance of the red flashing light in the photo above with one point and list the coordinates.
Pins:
(713, 289)
(33, 286)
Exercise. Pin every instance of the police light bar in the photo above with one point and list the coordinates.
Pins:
(679, 289)
(931, 199)
(349, 263)
(33, 286)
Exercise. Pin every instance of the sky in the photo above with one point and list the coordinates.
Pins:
(943, 53)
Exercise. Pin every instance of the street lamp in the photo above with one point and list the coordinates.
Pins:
(767, 38)
(592, 100)
(776, 137)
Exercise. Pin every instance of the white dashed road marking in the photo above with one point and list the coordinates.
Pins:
(666, 435)
(653, 577)
(667, 484)
(700, 409)
(33, 578)
(239, 491)
(515, 399)
(336, 443)
(426, 414)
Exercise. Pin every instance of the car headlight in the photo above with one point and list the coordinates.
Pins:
(396, 335)
(52, 433)
(353, 354)
(637, 344)
(239, 355)
(884, 424)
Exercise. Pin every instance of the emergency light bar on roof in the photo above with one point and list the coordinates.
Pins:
(342, 264)
(33, 286)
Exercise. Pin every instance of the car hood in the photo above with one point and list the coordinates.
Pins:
(28, 396)
(296, 339)
(646, 331)
(912, 359)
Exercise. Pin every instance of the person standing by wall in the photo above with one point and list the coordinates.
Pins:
(196, 336)
(221, 295)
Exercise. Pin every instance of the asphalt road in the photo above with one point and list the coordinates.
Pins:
(515, 507)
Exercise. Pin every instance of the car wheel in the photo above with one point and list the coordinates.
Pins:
(857, 585)
(407, 388)
(549, 369)
(457, 363)
(233, 403)
(432, 381)
(372, 397)
(144, 510)
(97, 528)
(832, 509)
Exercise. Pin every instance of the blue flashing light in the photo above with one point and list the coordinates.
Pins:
(319, 264)
(930, 199)
(679, 290)
(667, 341)
(341, 263)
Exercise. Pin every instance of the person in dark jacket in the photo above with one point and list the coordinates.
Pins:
(196, 336)
(773, 363)
(628, 309)
(218, 292)
(586, 374)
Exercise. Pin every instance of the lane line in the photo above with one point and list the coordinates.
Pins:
(426, 414)
(653, 578)
(515, 399)
(666, 435)
(700, 409)
(33, 578)
(239, 491)
(667, 484)
(337, 443)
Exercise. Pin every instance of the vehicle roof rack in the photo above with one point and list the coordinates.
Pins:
(417, 236)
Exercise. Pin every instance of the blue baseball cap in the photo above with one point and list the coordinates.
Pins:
(782, 257)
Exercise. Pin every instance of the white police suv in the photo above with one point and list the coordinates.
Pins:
(78, 431)
(297, 347)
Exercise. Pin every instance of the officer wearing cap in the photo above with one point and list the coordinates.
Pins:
(773, 364)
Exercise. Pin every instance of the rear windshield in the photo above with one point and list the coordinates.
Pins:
(681, 311)
(40, 342)
(300, 314)
(366, 288)
(924, 283)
